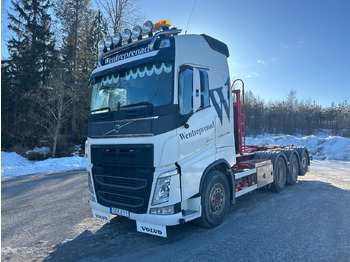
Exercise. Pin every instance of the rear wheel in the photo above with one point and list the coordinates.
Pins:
(293, 165)
(304, 160)
(293, 170)
(215, 199)
(280, 174)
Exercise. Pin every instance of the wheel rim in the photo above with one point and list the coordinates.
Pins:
(217, 199)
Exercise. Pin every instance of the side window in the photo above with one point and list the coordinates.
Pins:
(204, 89)
(185, 90)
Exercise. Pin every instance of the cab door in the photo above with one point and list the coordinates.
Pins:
(198, 129)
(196, 133)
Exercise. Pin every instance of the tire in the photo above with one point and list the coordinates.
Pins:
(293, 165)
(304, 160)
(215, 199)
(279, 173)
(293, 169)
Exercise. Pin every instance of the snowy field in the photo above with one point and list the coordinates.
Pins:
(320, 147)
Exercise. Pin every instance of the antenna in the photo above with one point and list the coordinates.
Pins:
(190, 16)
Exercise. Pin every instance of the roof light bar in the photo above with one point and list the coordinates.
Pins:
(128, 36)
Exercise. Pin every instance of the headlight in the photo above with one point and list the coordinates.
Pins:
(168, 210)
(126, 35)
(86, 150)
(162, 189)
(91, 189)
(109, 41)
(165, 43)
(101, 45)
(92, 198)
(137, 32)
(117, 38)
(147, 28)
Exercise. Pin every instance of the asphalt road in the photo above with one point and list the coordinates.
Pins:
(47, 218)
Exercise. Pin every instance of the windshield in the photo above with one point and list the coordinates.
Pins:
(140, 86)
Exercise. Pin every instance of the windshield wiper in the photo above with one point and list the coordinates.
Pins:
(148, 104)
(101, 109)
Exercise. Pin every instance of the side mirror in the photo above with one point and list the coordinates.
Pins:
(196, 97)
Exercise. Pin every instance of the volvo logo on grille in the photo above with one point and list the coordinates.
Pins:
(116, 129)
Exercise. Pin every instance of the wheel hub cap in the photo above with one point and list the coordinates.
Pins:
(217, 199)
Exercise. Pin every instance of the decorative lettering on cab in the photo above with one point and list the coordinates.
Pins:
(126, 55)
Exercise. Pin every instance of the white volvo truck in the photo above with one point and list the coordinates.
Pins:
(166, 134)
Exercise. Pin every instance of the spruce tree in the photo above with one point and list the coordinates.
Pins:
(31, 58)
(95, 31)
(73, 15)
(32, 47)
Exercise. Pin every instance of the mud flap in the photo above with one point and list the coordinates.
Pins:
(156, 230)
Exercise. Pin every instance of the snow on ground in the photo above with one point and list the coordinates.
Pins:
(45, 151)
(14, 164)
(320, 147)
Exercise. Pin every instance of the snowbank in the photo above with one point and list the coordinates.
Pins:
(45, 151)
(321, 148)
(14, 164)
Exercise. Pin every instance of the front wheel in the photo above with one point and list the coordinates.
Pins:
(215, 199)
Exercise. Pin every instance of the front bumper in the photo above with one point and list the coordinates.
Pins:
(165, 220)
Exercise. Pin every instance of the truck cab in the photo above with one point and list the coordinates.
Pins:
(161, 141)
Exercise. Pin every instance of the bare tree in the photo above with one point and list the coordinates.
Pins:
(50, 108)
(121, 14)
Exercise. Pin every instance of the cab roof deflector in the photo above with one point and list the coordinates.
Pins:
(217, 45)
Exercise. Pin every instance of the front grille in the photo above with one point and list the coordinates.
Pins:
(123, 155)
(121, 199)
(123, 175)
(121, 182)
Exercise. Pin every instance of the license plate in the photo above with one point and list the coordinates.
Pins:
(156, 230)
(120, 212)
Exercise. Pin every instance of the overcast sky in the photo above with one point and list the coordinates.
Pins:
(275, 45)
